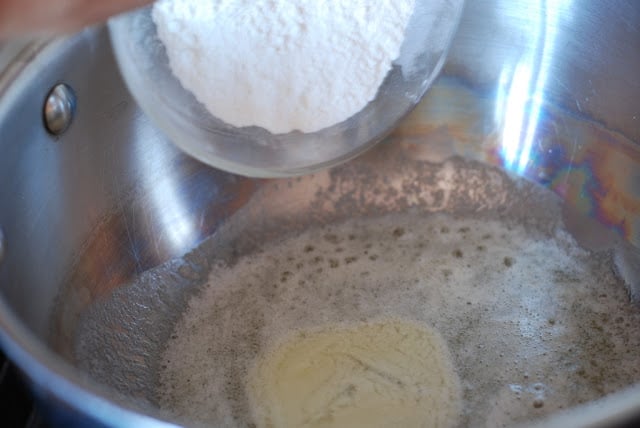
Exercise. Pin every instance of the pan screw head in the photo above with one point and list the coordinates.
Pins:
(59, 109)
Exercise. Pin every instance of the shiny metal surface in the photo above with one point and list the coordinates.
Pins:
(545, 89)
(582, 56)
(59, 109)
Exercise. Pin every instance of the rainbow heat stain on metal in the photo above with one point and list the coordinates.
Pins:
(593, 169)
(590, 167)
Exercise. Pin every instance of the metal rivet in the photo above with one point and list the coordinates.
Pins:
(59, 109)
(2, 246)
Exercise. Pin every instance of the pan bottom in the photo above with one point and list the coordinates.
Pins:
(534, 323)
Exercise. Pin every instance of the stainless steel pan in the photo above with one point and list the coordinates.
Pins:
(543, 90)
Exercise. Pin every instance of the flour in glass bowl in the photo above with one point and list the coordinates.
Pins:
(282, 65)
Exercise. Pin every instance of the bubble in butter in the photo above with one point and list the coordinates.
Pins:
(379, 374)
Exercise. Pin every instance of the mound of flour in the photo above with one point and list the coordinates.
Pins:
(282, 65)
(382, 374)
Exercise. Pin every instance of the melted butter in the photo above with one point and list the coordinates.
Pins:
(381, 374)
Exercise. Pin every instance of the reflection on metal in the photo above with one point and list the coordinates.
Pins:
(521, 90)
(514, 117)
(172, 208)
(594, 169)
(59, 109)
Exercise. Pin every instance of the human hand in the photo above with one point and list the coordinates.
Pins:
(23, 17)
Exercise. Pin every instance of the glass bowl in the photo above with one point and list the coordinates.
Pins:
(254, 151)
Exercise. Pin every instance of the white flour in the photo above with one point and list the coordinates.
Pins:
(282, 65)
